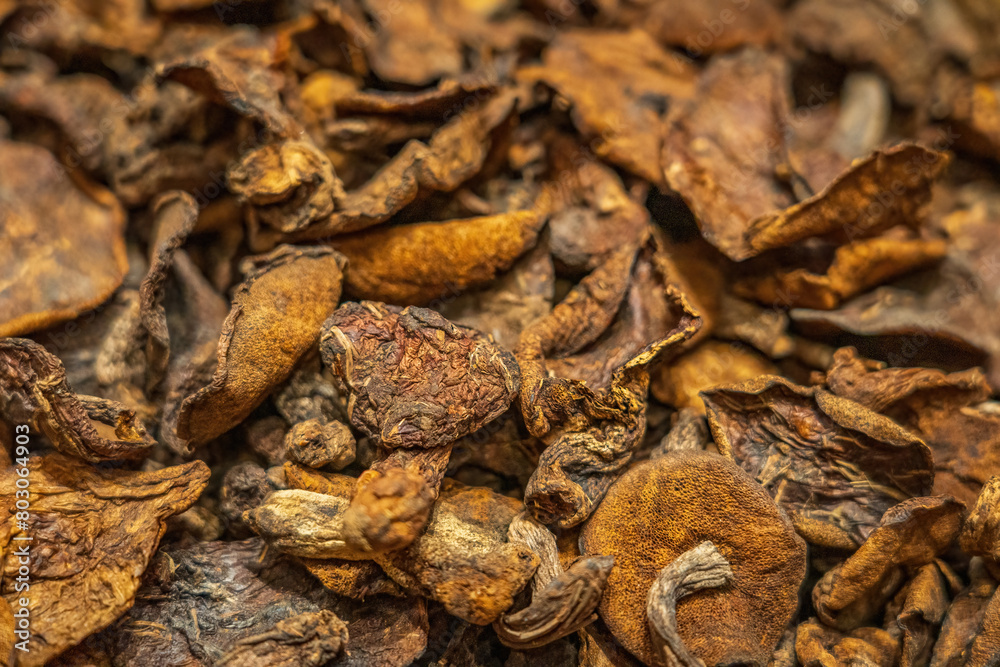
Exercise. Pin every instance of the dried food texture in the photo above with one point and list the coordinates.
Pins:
(34, 391)
(832, 464)
(63, 245)
(660, 509)
(316, 444)
(275, 318)
(295, 618)
(117, 517)
(911, 534)
(412, 378)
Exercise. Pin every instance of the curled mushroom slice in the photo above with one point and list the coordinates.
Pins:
(696, 569)
(275, 317)
(911, 534)
(664, 507)
(562, 602)
(981, 532)
(34, 390)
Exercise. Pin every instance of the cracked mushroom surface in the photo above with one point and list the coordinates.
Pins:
(660, 509)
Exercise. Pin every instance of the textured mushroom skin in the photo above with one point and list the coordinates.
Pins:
(661, 508)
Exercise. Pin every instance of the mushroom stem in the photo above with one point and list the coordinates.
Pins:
(695, 569)
(561, 602)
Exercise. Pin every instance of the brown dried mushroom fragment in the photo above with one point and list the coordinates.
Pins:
(856, 267)
(754, 210)
(34, 391)
(709, 365)
(591, 427)
(696, 569)
(223, 585)
(117, 518)
(303, 523)
(964, 618)
(688, 432)
(351, 578)
(288, 186)
(819, 646)
(236, 68)
(981, 531)
(175, 214)
(392, 500)
(922, 608)
(936, 406)
(911, 534)
(317, 443)
(414, 264)
(618, 84)
(310, 639)
(463, 559)
(562, 602)
(831, 463)
(660, 509)
(413, 378)
(275, 318)
(62, 249)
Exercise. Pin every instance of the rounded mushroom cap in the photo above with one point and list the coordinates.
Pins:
(663, 507)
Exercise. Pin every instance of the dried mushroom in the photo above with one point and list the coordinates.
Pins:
(659, 510)
(831, 463)
(117, 518)
(911, 534)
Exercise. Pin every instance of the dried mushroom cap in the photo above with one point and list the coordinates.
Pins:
(222, 585)
(413, 378)
(831, 463)
(388, 510)
(417, 263)
(117, 518)
(463, 559)
(918, 610)
(288, 185)
(911, 534)
(981, 532)
(275, 318)
(819, 646)
(660, 509)
(964, 619)
(63, 249)
(34, 391)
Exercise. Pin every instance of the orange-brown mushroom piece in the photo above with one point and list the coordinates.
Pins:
(664, 507)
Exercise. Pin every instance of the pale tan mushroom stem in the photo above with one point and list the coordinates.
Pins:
(562, 602)
(695, 569)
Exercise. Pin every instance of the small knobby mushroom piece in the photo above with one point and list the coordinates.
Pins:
(662, 508)
(562, 602)
(695, 569)
(832, 464)
(287, 185)
(911, 534)
(917, 612)
(981, 532)
(34, 391)
(413, 378)
(317, 443)
(309, 639)
(392, 500)
(275, 318)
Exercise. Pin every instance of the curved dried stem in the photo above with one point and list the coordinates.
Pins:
(695, 569)
(561, 602)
